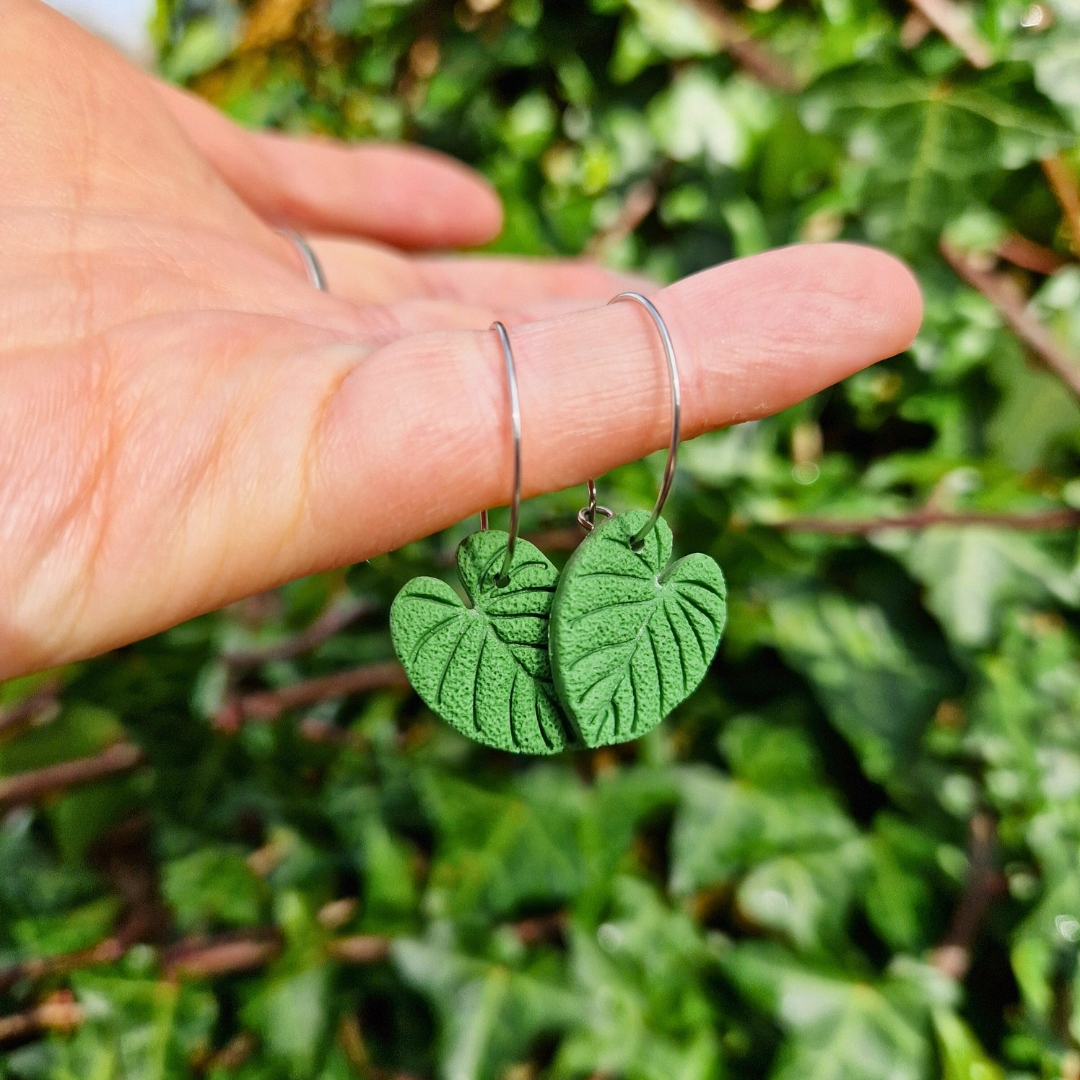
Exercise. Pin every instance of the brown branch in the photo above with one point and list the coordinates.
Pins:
(557, 539)
(16, 718)
(29, 786)
(1063, 183)
(954, 22)
(914, 29)
(549, 929)
(636, 206)
(269, 704)
(56, 1013)
(1004, 293)
(234, 1053)
(1028, 255)
(206, 958)
(107, 951)
(360, 948)
(104, 952)
(753, 55)
(924, 519)
(984, 884)
(335, 619)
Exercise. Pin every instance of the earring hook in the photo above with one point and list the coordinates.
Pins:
(316, 274)
(502, 579)
(638, 540)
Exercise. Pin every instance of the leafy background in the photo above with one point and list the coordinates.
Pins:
(243, 849)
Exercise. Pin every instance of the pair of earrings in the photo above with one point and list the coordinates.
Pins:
(542, 661)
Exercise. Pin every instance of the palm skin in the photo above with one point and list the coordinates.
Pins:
(185, 421)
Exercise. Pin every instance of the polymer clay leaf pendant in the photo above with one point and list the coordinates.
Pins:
(485, 669)
(630, 636)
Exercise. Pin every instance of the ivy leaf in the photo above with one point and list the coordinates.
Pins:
(795, 858)
(925, 143)
(214, 886)
(497, 850)
(645, 1015)
(630, 639)
(485, 668)
(876, 694)
(837, 1027)
(490, 1014)
(973, 574)
(136, 1028)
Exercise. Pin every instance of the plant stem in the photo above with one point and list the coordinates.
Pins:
(29, 786)
(1004, 293)
(923, 519)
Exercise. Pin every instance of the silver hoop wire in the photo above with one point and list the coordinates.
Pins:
(502, 579)
(314, 269)
(586, 516)
(638, 540)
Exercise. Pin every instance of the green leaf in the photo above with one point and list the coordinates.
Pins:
(292, 1013)
(724, 826)
(631, 637)
(485, 669)
(876, 694)
(645, 1014)
(837, 1028)
(213, 886)
(135, 1029)
(962, 1057)
(972, 574)
(489, 1014)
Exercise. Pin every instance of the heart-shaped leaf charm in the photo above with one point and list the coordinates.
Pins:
(630, 639)
(485, 669)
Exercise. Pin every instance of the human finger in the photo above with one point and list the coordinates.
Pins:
(416, 437)
(372, 273)
(277, 448)
(403, 195)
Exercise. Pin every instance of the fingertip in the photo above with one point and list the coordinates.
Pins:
(441, 201)
(881, 292)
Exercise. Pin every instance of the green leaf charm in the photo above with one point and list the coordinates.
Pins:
(485, 669)
(630, 639)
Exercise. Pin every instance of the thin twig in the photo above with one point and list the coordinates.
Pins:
(40, 967)
(16, 718)
(1044, 520)
(1028, 255)
(360, 948)
(1004, 293)
(549, 929)
(234, 1053)
(268, 704)
(206, 958)
(335, 619)
(984, 883)
(636, 206)
(557, 539)
(57, 1013)
(1063, 183)
(753, 55)
(955, 23)
(914, 28)
(28, 786)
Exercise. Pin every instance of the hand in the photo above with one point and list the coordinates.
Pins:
(184, 420)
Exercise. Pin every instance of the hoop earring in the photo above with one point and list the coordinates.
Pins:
(631, 636)
(315, 273)
(485, 668)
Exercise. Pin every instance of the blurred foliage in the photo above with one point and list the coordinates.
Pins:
(854, 853)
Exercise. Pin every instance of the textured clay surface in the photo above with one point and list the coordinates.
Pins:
(629, 638)
(485, 669)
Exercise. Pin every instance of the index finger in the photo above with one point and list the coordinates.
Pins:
(416, 436)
